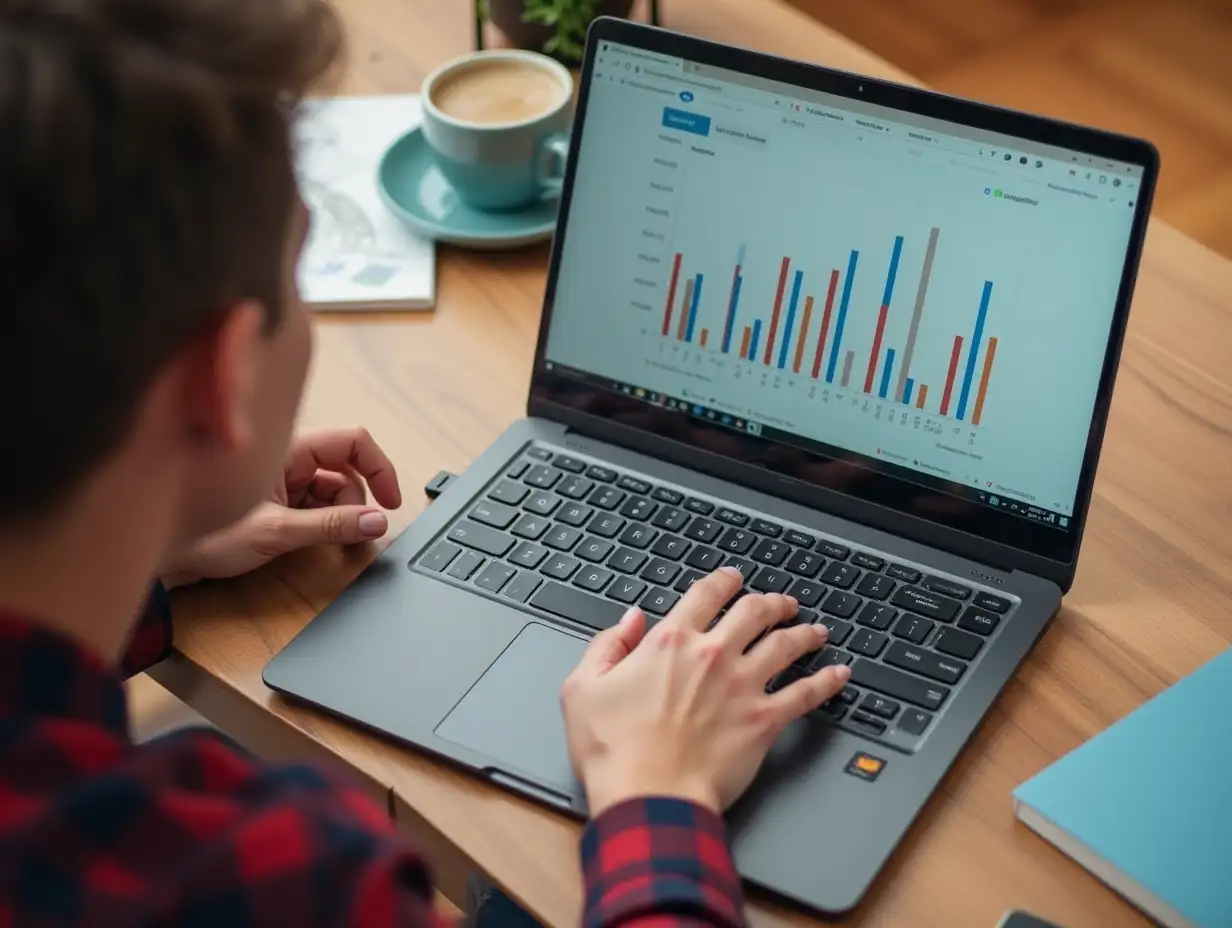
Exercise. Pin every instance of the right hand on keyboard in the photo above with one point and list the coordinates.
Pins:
(682, 711)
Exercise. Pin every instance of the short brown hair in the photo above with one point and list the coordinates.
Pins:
(146, 185)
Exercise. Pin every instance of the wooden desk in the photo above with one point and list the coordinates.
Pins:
(1153, 598)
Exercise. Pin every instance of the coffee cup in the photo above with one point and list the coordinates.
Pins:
(497, 124)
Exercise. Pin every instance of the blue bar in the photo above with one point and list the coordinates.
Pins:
(908, 390)
(889, 287)
(697, 296)
(735, 301)
(842, 316)
(791, 319)
(753, 341)
(885, 374)
(686, 122)
(973, 350)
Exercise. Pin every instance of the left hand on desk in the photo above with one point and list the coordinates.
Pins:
(321, 499)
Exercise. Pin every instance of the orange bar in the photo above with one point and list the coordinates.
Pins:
(979, 397)
(808, 311)
(705, 335)
(683, 329)
(744, 342)
(919, 402)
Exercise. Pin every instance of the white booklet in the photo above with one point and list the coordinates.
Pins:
(358, 256)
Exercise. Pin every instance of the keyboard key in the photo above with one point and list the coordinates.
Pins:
(866, 721)
(905, 574)
(807, 592)
(849, 695)
(578, 606)
(928, 604)
(829, 657)
(671, 519)
(633, 485)
(875, 586)
(946, 587)
(572, 465)
(440, 556)
(517, 470)
(830, 549)
(528, 555)
(807, 616)
(994, 603)
(670, 546)
(770, 552)
(509, 493)
(843, 605)
(494, 576)
(924, 662)
(541, 453)
(575, 487)
(867, 642)
(867, 561)
(593, 579)
(703, 530)
(660, 571)
(531, 527)
(877, 616)
(671, 497)
(542, 504)
(626, 589)
(562, 538)
(879, 705)
(746, 568)
(958, 644)
(799, 539)
(686, 580)
(700, 506)
(606, 525)
(637, 535)
(913, 628)
(638, 508)
(659, 602)
(736, 541)
(839, 630)
(900, 685)
(560, 566)
(978, 621)
(805, 564)
(594, 550)
(544, 478)
(731, 517)
(762, 527)
(497, 515)
(914, 722)
(832, 710)
(574, 514)
(465, 565)
(769, 580)
(606, 497)
(602, 474)
(481, 538)
(627, 561)
(842, 576)
(522, 586)
(704, 559)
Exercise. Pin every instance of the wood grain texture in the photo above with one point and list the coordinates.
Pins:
(1149, 605)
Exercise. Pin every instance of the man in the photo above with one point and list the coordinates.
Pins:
(152, 354)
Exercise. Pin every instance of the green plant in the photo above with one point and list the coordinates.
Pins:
(569, 20)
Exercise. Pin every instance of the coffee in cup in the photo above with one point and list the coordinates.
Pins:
(497, 124)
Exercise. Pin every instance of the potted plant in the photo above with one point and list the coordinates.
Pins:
(554, 27)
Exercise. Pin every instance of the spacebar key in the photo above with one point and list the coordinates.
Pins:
(580, 607)
(900, 685)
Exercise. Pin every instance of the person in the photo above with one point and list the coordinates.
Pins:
(154, 350)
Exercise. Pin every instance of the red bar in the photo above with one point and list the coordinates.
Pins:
(744, 342)
(949, 378)
(825, 325)
(778, 305)
(671, 296)
(979, 397)
(683, 329)
(872, 358)
(919, 400)
(705, 335)
(804, 324)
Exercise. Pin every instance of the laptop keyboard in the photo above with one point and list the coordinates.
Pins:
(582, 541)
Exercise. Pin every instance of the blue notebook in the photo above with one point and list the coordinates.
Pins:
(1147, 805)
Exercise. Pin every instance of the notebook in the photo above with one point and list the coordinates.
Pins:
(1146, 806)
(358, 256)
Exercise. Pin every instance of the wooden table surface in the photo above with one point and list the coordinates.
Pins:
(1151, 602)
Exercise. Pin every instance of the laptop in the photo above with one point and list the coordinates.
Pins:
(857, 339)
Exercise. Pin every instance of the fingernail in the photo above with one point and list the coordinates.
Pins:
(732, 572)
(795, 602)
(629, 616)
(373, 524)
(822, 632)
(842, 674)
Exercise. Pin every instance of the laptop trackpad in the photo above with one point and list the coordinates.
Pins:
(512, 715)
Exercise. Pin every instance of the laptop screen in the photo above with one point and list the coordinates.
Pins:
(915, 297)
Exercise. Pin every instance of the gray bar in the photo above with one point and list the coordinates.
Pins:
(905, 368)
(847, 362)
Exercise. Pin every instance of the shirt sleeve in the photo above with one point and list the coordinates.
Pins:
(660, 861)
(151, 639)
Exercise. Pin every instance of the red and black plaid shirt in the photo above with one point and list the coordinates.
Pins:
(190, 831)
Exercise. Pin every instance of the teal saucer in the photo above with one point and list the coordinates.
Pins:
(415, 190)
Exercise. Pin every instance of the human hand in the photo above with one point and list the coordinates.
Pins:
(681, 711)
(321, 499)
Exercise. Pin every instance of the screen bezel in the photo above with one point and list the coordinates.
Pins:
(990, 536)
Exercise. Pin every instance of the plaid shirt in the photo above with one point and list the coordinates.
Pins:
(190, 831)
